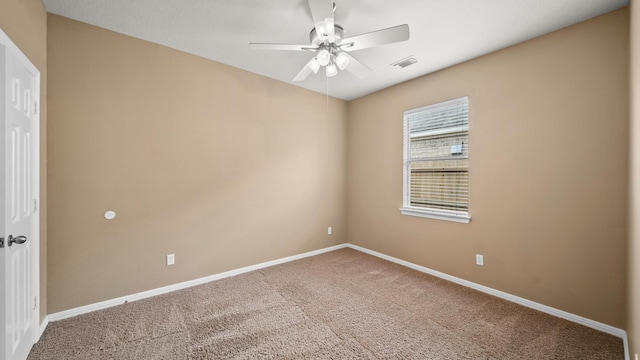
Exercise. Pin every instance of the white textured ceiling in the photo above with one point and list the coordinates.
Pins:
(443, 32)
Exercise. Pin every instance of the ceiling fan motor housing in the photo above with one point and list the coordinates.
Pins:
(318, 40)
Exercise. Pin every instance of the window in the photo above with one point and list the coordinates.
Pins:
(436, 161)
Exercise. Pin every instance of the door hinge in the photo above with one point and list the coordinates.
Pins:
(35, 108)
(35, 302)
(35, 205)
(1, 243)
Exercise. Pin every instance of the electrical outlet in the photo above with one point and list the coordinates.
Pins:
(329, 230)
(171, 259)
(479, 259)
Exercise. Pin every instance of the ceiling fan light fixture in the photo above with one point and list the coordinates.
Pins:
(330, 46)
(342, 61)
(331, 70)
(314, 65)
(323, 57)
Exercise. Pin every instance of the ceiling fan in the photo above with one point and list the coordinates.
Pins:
(331, 48)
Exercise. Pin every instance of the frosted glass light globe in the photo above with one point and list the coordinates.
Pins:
(314, 65)
(342, 61)
(331, 70)
(323, 57)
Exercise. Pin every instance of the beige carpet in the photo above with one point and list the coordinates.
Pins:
(339, 305)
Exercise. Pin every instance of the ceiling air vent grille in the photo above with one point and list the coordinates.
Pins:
(405, 62)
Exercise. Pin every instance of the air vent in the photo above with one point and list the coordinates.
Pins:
(405, 62)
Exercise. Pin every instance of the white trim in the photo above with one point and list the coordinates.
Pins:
(503, 295)
(440, 215)
(163, 290)
(42, 328)
(625, 342)
(15, 50)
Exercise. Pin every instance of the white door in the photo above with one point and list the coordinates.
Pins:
(19, 217)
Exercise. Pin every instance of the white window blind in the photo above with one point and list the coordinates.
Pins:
(436, 161)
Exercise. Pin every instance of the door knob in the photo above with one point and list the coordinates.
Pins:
(17, 240)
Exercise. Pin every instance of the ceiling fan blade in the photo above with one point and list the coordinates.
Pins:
(268, 46)
(375, 38)
(322, 14)
(357, 68)
(304, 72)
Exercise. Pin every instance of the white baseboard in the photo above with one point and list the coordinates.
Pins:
(183, 285)
(43, 326)
(500, 294)
(503, 295)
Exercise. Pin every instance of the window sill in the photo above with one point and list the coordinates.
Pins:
(439, 215)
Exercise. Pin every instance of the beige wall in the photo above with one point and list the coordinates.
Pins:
(634, 218)
(222, 167)
(25, 22)
(548, 171)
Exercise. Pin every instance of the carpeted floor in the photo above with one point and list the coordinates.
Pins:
(339, 305)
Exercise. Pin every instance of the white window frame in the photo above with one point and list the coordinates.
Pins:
(432, 213)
